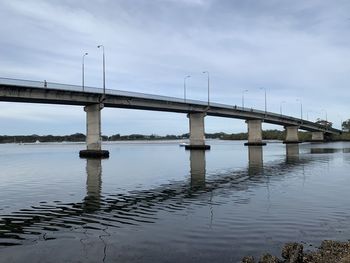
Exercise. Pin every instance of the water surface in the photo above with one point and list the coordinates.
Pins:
(156, 202)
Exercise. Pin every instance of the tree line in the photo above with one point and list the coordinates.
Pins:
(79, 137)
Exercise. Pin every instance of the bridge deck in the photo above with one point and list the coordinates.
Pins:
(14, 90)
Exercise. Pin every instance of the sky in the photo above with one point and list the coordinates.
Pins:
(296, 50)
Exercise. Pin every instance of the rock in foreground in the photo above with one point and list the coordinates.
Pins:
(329, 252)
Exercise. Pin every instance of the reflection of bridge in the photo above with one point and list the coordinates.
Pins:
(97, 210)
(94, 100)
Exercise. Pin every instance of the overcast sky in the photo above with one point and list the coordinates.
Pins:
(296, 49)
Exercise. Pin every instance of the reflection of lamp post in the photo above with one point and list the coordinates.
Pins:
(208, 84)
(83, 69)
(265, 99)
(104, 68)
(301, 108)
(243, 97)
(281, 107)
(185, 86)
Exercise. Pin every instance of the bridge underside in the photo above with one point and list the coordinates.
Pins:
(196, 111)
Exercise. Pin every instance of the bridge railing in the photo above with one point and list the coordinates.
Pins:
(67, 87)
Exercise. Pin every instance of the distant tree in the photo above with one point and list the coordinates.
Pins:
(325, 123)
(346, 125)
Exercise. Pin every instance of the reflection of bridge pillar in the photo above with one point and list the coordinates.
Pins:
(197, 134)
(255, 156)
(292, 135)
(317, 136)
(93, 132)
(92, 199)
(292, 152)
(197, 162)
(254, 133)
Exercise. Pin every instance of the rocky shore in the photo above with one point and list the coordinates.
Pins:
(328, 252)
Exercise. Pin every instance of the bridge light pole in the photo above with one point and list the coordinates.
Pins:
(265, 99)
(341, 122)
(281, 107)
(307, 114)
(104, 68)
(243, 97)
(208, 84)
(188, 76)
(83, 70)
(301, 108)
(326, 114)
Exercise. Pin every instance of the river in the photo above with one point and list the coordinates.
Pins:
(157, 202)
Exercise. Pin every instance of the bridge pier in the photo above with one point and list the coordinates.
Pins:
(93, 133)
(197, 133)
(254, 133)
(292, 135)
(317, 136)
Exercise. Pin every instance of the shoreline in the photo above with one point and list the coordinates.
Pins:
(329, 252)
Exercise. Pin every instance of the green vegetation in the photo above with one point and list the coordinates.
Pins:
(345, 136)
(346, 125)
(79, 137)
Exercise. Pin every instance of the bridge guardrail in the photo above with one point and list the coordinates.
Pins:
(68, 87)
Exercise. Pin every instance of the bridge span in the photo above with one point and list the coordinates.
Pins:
(94, 100)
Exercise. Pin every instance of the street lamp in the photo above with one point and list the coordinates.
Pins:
(243, 97)
(185, 86)
(281, 107)
(208, 84)
(83, 73)
(104, 68)
(301, 108)
(307, 114)
(265, 99)
(341, 122)
(326, 114)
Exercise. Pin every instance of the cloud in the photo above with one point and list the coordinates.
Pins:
(295, 49)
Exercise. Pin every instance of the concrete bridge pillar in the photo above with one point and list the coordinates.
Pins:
(317, 136)
(292, 134)
(93, 133)
(197, 133)
(254, 133)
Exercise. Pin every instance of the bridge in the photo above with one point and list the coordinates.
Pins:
(94, 100)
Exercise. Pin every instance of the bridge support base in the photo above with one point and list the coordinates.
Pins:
(292, 136)
(254, 133)
(197, 133)
(317, 136)
(93, 133)
(94, 154)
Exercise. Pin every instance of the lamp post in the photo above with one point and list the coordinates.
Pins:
(326, 114)
(83, 70)
(243, 97)
(265, 99)
(281, 107)
(104, 68)
(301, 108)
(208, 84)
(185, 86)
(307, 114)
(341, 122)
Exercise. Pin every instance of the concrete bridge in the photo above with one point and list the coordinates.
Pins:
(94, 100)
